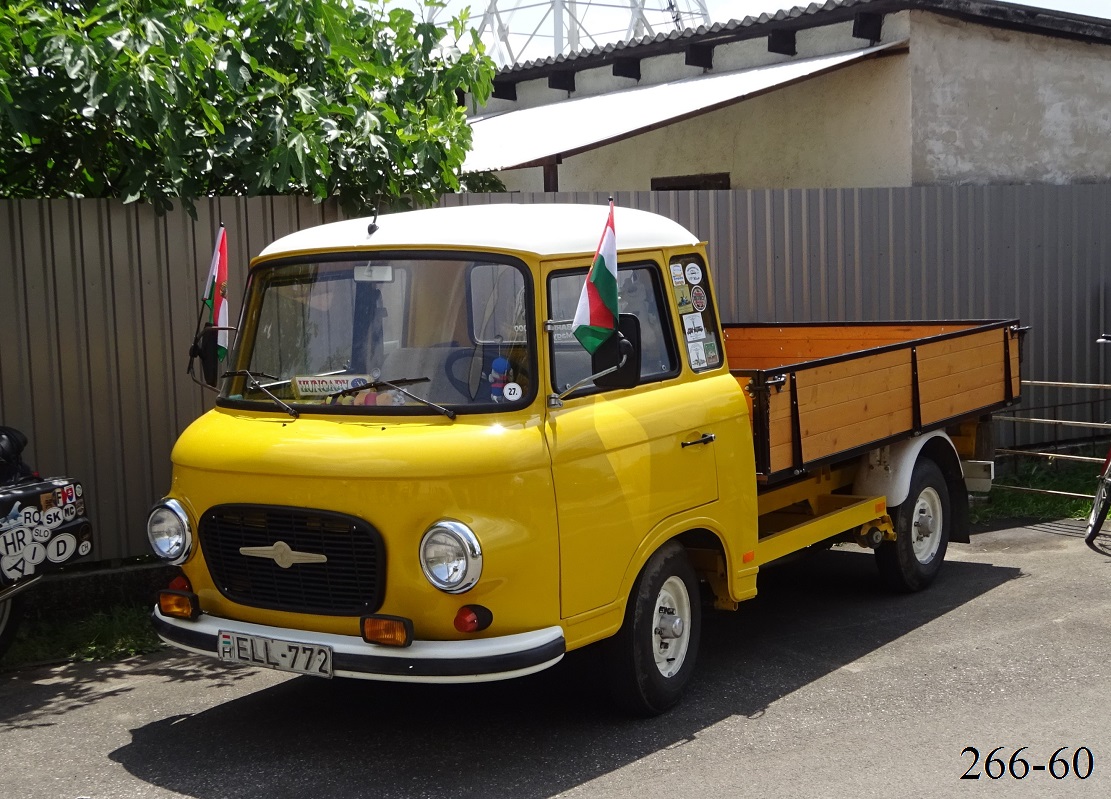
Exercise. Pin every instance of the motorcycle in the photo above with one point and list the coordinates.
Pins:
(43, 525)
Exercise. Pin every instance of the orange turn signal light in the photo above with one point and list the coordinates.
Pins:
(179, 604)
(387, 630)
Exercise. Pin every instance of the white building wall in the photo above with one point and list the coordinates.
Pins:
(849, 128)
(996, 106)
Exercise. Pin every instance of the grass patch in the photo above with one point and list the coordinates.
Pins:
(1001, 504)
(118, 632)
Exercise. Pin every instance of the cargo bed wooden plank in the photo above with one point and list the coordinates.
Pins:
(820, 393)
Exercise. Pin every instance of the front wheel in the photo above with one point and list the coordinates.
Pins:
(652, 657)
(9, 621)
(922, 522)
(1098, 515)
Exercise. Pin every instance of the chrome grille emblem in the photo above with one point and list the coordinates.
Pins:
(283, 554)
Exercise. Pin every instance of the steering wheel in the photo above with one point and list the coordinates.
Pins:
(469, 384)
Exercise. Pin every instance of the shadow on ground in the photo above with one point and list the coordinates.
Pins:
(531, 737)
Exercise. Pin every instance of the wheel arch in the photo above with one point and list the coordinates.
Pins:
(887, 473)
(705, 546)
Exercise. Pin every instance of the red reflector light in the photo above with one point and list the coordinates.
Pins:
(387, 630)
(473, 619)
(180, 583)
(179, 604)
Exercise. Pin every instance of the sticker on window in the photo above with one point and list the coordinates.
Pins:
(698, 298)
(683, 297)
(697, 355)
(711, 350)
(694, 274)
(692, 324)
(322, 385)
(677, 274)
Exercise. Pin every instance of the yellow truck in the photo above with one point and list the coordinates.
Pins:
(414, 472)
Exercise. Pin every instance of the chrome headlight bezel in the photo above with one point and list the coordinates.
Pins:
(468, 569)
(178, 552)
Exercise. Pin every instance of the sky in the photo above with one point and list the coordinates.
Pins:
(607, 20)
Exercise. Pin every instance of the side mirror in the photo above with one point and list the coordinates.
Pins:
(619, 356)
(204, 347)
(12, 444)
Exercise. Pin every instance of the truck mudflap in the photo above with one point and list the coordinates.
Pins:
(479, 660)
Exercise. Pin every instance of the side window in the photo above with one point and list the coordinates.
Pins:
(691, 292)
(497, 297)
(639, 292)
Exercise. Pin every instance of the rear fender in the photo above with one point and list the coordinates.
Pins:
(887, 472)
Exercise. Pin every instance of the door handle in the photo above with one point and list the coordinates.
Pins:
(706, 439)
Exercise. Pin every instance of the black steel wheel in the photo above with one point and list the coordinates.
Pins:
(652, 657)
(922, 526)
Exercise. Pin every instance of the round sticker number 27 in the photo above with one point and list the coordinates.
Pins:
(512, 391)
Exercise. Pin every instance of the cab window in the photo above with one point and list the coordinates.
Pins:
(640, 292)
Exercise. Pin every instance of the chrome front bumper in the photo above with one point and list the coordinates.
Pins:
(477, 660)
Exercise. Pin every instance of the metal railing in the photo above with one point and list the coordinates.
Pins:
(1054, 455)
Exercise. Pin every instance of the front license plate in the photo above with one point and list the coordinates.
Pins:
(274, 654)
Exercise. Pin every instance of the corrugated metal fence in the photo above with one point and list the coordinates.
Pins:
(98, 300)
(98, 304)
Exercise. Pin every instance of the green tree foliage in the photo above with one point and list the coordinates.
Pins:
(179, 99)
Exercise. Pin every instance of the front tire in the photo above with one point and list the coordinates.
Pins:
(922, 527)
(1097, 516)
(652, 657)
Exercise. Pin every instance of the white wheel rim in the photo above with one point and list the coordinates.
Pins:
(926, 525)
(671, 624)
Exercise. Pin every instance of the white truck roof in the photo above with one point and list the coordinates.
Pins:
(543, 229)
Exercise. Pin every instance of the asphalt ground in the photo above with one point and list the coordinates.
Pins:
(823, 686)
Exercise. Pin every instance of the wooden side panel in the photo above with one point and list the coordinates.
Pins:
(773, 347)
(961, 375)
(869, 396)
(781, 436)
(849, 404)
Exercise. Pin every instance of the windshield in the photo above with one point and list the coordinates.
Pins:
(388, 335)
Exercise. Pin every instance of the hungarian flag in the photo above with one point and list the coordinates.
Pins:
(596, 315)
(216, 290)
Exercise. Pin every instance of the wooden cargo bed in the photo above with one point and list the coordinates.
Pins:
(826, 392)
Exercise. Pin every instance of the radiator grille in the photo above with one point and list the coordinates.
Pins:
(350, 583)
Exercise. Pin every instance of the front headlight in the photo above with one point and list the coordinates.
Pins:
(451, 556)
(168, 531)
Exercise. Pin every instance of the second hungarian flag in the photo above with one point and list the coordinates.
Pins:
(596, 315)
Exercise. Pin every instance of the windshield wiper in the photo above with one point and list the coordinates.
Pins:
(395, 385)
(253, 383)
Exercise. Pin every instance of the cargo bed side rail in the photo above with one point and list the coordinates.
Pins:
(815, 412)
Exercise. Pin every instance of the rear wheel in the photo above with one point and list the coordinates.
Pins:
(922, 526)
(652, 657)
(9, 621)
